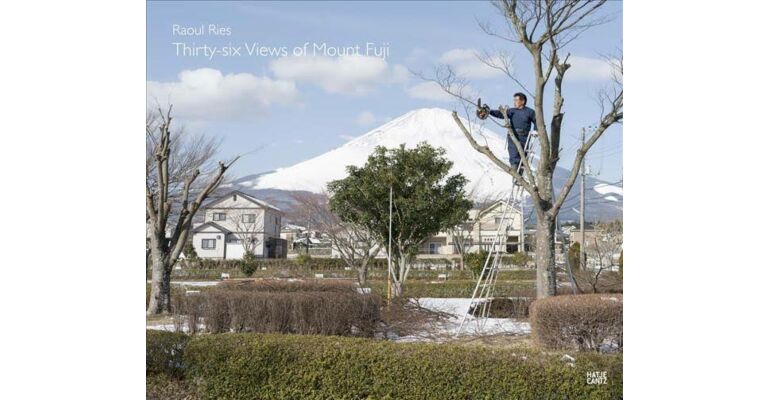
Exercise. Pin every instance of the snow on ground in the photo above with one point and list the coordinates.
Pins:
(457, 307)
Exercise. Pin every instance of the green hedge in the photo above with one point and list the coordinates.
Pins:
(165, 352)
(254, 366)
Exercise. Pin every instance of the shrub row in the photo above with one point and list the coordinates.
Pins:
(283, 286)
(256, 366)
(321, 263)
(463, 288)
(304, 312)
(414, 275)
(583, 322)
(165, 352)
(507, 307)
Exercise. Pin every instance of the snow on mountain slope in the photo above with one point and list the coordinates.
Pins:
(437, 127)
(434, 125)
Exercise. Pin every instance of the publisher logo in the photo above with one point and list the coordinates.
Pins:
(597, 378)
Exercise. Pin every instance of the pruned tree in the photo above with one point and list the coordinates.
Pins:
(180, 178)
(462, 233)
(426, 200)
(543, 28)
(249, 229)
(355, 244)
(603, 254)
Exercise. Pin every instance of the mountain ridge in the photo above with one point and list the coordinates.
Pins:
(437, 127)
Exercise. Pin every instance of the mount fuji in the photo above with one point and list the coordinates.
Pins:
(436, 127)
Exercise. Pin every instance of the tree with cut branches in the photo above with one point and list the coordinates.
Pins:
(603, 254)
(543, 28)
(462, 233)
(355, 244)
(176, 188)
(248, 224)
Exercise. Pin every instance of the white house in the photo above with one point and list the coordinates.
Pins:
(236, 223)
(480, 232)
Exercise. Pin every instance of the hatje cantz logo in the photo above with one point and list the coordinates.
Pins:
(597, 378)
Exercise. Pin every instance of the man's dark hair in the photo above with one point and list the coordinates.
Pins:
(522, 97)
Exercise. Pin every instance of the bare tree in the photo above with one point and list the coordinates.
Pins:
(543, 28)
(174, 195)
(354, 243)
(603, 252)
(462, 234)
(248, 224)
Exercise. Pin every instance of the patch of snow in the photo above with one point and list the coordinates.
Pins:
(457, 307)
(604, 188)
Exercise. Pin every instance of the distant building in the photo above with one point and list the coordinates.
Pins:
(291, 232)
(485, 229)
(479, 232)
(237, 222)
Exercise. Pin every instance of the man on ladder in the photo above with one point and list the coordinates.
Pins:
(522, 119)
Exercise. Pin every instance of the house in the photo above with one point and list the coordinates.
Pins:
(480, 232)
(236, 223)
(291, 232)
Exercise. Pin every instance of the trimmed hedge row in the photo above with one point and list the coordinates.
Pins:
(284, 307)
(506, 307)
(322, 263)
(165, 352)
(256, 366)
(462, 288)
(276, 272)
(582, 322)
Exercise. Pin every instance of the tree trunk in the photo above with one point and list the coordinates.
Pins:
(362, 274)
(397, 288)
(160, 290)
(546, 272)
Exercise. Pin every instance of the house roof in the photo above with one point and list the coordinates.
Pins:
(311, 241)
(213, 224)
(246, 196)
(489, 208)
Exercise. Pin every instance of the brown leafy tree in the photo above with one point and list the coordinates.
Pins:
(543, 28)
(174, 194)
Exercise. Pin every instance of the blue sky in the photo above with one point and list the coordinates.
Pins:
(291, 108)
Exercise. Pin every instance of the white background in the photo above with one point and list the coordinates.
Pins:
(73, 81)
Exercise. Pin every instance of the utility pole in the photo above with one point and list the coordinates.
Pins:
(582, 258)
(522, 222)
(389, 251)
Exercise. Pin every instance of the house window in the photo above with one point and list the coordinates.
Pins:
(234, 197)
(236, 241)
(249, 218)
(209, 244)
(219, 216)
(433, 248)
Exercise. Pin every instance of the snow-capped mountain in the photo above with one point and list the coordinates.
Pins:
(437, 127)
